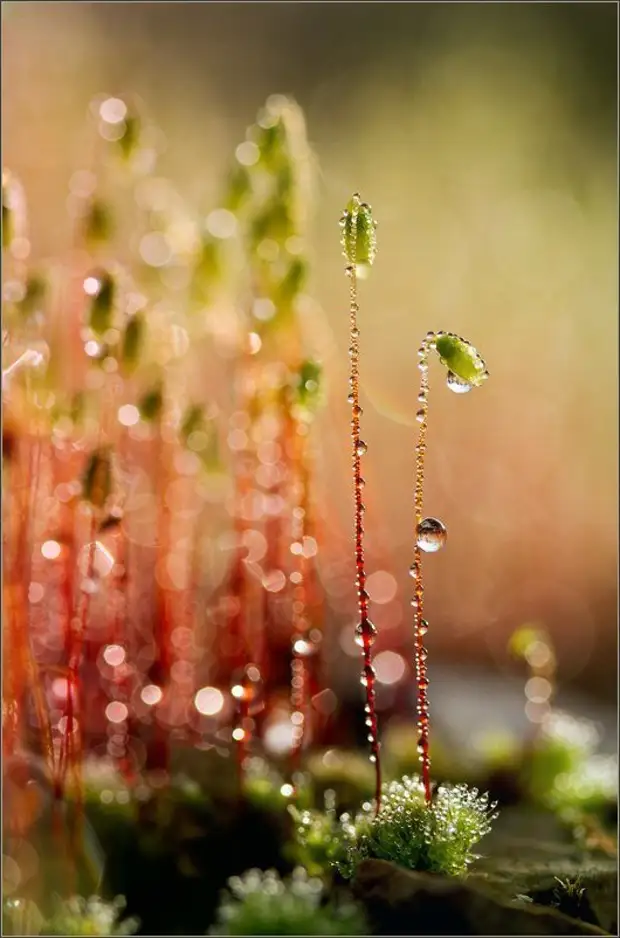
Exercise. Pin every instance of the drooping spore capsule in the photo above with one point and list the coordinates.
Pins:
(431, 535)
(461, 359)
(359, 239)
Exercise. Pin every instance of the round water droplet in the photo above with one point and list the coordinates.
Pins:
(423, 627)
(361, 449)
(370, 631)
(431, 535)
(420, 415)
(351, 398)
(457, 384)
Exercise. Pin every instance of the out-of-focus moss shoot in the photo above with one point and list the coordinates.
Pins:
(359, 238)
(76, 410)
(293, 281)
(7, 212)
(192, 421)
(129, 141)
(98, 226)
(97, 481)
(34, 296)
(102, 304)
(238, 190)
(307, 385)
(461, 359)
(151, 404)
(133, 339)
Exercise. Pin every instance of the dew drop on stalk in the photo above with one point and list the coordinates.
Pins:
(361, 448)
(457, 384)
(431, 535)
(368, 630)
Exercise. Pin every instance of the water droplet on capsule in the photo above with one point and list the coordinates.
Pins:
(431, 535)
(457, 384)
(361, 449)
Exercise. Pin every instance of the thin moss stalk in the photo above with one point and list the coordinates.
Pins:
(466, 369)
(358, 243)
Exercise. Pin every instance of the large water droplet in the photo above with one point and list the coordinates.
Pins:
(361, 448)
(431, 535)
(369, 629)
(457, 384)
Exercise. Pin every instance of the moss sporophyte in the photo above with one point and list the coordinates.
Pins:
(466, 370)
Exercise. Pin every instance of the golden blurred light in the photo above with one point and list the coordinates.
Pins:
(151, 694)
(221, 223)
(91, 286)
(381, 586)
(390, 667)
(279, 736)
(116, 712)
(51, 550)
(128, 415)
(238, 734)
(209, 701)
(113, 110)
(114, 655)
(538, 689)
(254, 342)
(263, 309)
(247, 153)
(274, 581)
(36, 592)
(155, 249)
(287, 790)
(237, 691)
(92, 348)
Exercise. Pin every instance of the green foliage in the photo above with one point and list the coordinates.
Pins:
(346, 775)
(261, 903)
(461, 358)
(73, 916)
(359, 239)
(318, 843)
(435, 838)
(562, 770)
(20, 917)
(97, 479)
(93, 916)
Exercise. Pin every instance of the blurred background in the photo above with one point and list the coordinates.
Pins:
(485, 138)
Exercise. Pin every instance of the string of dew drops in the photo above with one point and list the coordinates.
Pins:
(365, 631)
(430, 536)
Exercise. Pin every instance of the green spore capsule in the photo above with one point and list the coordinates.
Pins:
(133, 338)
(102, 305)
(462, 361)
(359, 239)
(97, 480)
(151, 404)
